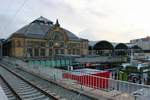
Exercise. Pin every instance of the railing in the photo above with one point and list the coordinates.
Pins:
(88, 81)
(102, 59)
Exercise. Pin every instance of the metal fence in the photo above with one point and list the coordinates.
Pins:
(102, 59)
(86, 80)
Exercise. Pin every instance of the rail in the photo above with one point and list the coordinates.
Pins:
(50, 95)
(9, 86)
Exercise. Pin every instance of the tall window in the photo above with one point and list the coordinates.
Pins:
(78, 51)
(62, 51)
(30, 52)
(74, 51)
(36, 52)
(18, 43)
(56, 51)
(50, 52)
(50, 43)
(42, 53)
(61, 44)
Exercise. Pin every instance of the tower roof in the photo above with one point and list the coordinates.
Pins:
(57, 23)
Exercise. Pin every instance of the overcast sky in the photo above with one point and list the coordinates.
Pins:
(112, 20)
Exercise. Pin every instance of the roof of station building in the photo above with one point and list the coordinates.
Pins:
(40, 27)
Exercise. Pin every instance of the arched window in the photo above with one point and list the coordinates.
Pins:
(58, 39)
(58, 36)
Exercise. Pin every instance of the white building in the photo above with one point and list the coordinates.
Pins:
(144, 43)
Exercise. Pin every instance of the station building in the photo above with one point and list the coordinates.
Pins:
(43, 38)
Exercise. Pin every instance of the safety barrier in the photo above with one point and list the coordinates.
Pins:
(101, 59)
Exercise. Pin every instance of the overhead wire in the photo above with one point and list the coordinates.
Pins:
(7, 26)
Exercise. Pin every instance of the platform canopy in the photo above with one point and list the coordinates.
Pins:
(121, 46)
(103, 45)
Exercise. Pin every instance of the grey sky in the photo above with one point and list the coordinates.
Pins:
(112, 20)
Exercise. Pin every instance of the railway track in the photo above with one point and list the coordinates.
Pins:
(17, 87)
(56, 89)
(7, 89)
